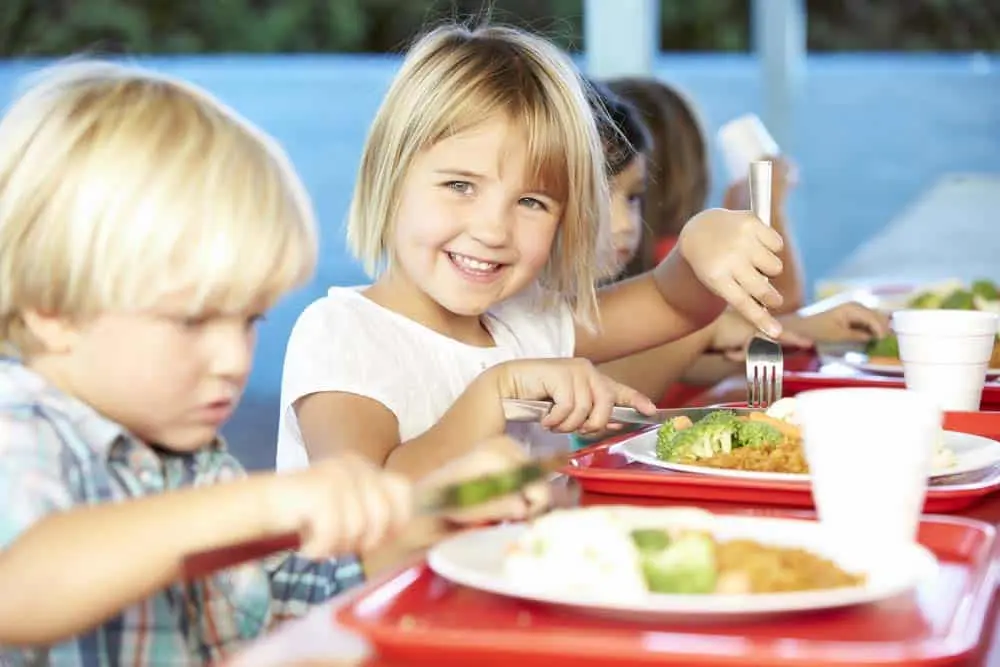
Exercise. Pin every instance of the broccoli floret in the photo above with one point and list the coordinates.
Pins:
(884, 347)
(710, 435)
(686, 565)
(925, 300)
(755, 434)
(960, 299)
(664, 437)
(699, 441)
(650, 539)
(986, 290)
(719, 417)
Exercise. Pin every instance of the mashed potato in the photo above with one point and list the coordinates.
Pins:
(587, 552)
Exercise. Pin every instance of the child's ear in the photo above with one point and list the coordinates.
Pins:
(54, 333)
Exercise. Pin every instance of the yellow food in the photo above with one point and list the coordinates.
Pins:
(746, 566)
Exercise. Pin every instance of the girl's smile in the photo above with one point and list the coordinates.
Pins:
(474, 269)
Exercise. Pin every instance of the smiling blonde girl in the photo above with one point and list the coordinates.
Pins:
(480, 212)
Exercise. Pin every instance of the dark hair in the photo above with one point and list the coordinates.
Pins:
(622, 130)
(678, 163)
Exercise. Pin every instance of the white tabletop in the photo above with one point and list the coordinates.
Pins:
(313, 637)
(951, 231)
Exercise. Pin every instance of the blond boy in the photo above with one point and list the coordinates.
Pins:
(144, 228)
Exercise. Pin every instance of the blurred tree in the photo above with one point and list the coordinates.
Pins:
(58, 27)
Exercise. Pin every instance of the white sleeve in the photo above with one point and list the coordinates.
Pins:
(333, 348)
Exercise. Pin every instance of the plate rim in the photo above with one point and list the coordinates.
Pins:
(892, 370)
(925, 564)
(788, 477)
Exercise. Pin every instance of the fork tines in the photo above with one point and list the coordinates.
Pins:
(764, 371)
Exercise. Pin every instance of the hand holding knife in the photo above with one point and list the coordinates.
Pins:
(437, 501)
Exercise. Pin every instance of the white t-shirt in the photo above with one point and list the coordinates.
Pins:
(347, 343)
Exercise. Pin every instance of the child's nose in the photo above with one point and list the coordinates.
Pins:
(232, 355)
(491, 228)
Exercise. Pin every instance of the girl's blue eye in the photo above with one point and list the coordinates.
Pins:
(636, 198)
(533, 204)
(461, 187)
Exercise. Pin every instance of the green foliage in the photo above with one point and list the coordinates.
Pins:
(59, 27)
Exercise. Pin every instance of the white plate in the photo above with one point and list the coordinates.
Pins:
(972, 452)
(475, 559)
(859, 361)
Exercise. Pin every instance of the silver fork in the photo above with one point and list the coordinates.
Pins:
(765, 361)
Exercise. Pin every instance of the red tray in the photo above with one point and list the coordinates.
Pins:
(601, 469)
(794, 382)
(804, 371)
(415, 618)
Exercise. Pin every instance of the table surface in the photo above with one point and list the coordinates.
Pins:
(959, 209)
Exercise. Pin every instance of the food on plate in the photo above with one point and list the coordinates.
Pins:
(758, 442)
(630, 552)
(980, 295)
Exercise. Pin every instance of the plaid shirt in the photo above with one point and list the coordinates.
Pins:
(57, 453)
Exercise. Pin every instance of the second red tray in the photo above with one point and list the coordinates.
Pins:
(600, 469)
(415, 618)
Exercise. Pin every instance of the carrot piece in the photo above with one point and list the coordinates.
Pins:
(682, 422)
(885, 361)
(789, 430)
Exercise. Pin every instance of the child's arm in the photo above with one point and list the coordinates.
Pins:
(721, 256)
(333, 422)
(653, 371)
(102, 558)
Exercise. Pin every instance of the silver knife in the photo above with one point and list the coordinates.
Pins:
(519, 410)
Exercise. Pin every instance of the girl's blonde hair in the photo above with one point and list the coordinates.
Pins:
(451, 80)
(677, 166)
(119, 187)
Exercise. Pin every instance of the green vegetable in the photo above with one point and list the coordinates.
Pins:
(884, 347)
(755, 434)
(664, 436)
(925, 300)
(687, 565)
(650, 539)
(488, 487)
(986, 290)
(701, 441)
(712, 434)
(719, 417)
(960, 299)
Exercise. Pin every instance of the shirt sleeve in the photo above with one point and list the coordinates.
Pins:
(35, 475)
(298, 584)
(335, 347)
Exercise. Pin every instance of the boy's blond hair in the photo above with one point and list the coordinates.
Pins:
(454, 78)
(119, 187)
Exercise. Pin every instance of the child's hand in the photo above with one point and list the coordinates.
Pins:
(844, 323)
(733, 332)
(493, 455)
(340, 505)
(733, 254)
(784, 177)
(582, 396)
